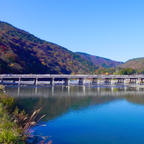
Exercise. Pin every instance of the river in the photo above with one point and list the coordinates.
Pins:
(85, 114)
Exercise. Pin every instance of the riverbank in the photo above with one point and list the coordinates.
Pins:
(9, 130)
(14, 123)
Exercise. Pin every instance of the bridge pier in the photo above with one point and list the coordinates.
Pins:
(107, 81)
(133, 80)
(139, 81)
(127, 81)
(81, 81)
(120, 81)
(13, 81)
(36, 81)
(66, 82)
(2, 80)
(94, 81)
(99, 81)
(19, 81)
(52, 81)
(114, 81)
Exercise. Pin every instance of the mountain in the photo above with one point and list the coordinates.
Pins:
(22, 52)
(99, 61)
(137, 63)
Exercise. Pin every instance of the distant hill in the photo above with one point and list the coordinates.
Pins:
(22, 52)
(137, 63)
(99, 61)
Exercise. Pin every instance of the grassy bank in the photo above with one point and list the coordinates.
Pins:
(10, 131)
(14, 123)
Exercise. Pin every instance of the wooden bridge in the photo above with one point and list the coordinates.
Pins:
(66, 79)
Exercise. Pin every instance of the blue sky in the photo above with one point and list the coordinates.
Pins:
(109, 28)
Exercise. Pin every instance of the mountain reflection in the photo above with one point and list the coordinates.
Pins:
(56, 101)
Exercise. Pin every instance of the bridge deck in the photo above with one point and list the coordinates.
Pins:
(71, 76)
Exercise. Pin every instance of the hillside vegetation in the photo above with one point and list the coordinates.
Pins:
(137, 64)
(99, 62)
(22, 52)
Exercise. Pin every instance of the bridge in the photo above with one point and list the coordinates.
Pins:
(66, 79)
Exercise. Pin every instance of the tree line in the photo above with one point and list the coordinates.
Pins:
(119, 71)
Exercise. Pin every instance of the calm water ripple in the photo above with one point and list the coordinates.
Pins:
(86, 115)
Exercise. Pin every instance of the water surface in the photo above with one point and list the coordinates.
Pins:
(87, 115)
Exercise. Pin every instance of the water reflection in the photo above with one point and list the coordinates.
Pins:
(84, 114)
(60, 99)
(72, 91)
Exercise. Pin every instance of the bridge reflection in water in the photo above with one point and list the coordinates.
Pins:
(55, 101)
(47, 91)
